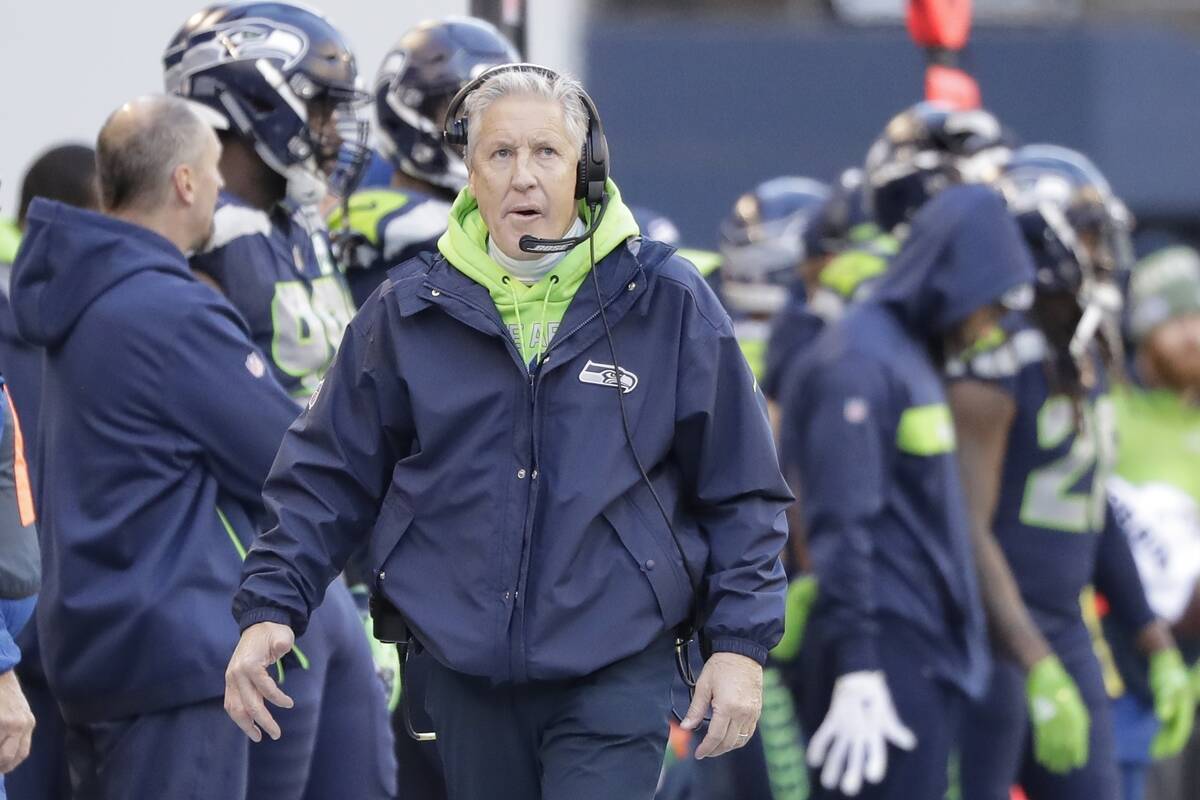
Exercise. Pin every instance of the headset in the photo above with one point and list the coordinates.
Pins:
(590, 177)
(590, 182)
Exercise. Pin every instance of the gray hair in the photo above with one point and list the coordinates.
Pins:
(563, 89)
(139, 147)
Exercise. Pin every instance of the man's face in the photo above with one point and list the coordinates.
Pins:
(979, 324)
(207, 183)
(322, 121)
(1174, 352)
(522, 172)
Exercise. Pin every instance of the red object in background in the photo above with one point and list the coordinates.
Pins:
(1018, 793)
(951, 86)
(940, 23)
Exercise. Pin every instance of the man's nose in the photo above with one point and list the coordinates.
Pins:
(523, 178)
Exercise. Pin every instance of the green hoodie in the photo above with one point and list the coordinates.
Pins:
(528, 311)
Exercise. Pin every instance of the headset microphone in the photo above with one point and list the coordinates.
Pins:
(532, 244)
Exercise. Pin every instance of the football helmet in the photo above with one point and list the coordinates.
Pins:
(416, 81)
(283, 77)
(1078, 231)
(926, 148)
(762, 242)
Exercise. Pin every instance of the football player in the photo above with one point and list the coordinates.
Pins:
(280, 84)
(762, 248)
(1035, 428)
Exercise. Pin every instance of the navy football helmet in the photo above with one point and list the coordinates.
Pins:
(419, 76)
(762, 242)
(1078, 232)
(283, 77)
(926, 148)
(842, 219)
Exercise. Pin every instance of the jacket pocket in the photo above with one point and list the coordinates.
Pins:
(393, 521)
(660, 567)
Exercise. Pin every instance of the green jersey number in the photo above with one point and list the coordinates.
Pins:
(308, 322)
(1050, 501)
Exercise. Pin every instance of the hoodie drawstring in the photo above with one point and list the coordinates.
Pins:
(507, 281)
(544, 339)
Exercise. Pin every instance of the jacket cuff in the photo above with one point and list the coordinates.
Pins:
(253, 616)
(743, 647)
(857, 654)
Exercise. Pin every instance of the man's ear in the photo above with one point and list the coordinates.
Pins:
(184, 179)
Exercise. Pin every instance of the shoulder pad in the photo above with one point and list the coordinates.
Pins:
(1004, 360)
(366, 208)
(235, 221)
(425, 221)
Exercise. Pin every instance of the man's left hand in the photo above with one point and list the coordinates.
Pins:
(731, 685)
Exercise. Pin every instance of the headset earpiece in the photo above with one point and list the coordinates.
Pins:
(456, 134)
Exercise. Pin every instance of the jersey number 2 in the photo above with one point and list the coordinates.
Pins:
(1049, 500)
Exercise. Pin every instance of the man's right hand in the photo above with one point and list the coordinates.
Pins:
(16, 723)
(247, 683)
(1060, 718)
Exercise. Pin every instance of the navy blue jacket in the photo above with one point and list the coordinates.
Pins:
(885, 514)
(154, 408)
(506, 517)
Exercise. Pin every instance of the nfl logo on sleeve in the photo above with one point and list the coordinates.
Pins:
(255, 365)
(855, 411)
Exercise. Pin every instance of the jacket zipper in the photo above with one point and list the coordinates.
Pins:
(527, 536)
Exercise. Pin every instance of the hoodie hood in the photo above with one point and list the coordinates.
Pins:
(69, 257)
(531, 312)
(963, 252)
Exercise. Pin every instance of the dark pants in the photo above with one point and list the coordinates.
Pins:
(997, 744)
(598, 737)
(418, 766)
(337, 741)
(930, 708)
(187, 753)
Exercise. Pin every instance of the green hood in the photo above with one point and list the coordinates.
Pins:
(532, 313)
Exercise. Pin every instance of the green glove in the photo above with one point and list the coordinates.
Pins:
(1059, 717)
(385, 656)
(1196, 681)
(801, 594)
(387, 665)
(1174, 702)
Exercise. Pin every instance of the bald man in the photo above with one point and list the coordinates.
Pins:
(158, 423)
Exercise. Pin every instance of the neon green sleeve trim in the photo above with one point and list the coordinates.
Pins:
(705, 261)
(241, 551)
(755, 353)
(367, 208)
(926, 430)
(10, 240)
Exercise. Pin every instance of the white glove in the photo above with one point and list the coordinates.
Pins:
(853, 738)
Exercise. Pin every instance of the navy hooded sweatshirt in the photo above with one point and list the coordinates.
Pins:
(157, 423)
(883, 503)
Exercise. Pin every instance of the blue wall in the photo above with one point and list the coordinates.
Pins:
(697, 113)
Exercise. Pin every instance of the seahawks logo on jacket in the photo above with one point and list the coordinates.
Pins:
(606, 375)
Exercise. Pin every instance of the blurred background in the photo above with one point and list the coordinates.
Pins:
(704, 98)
